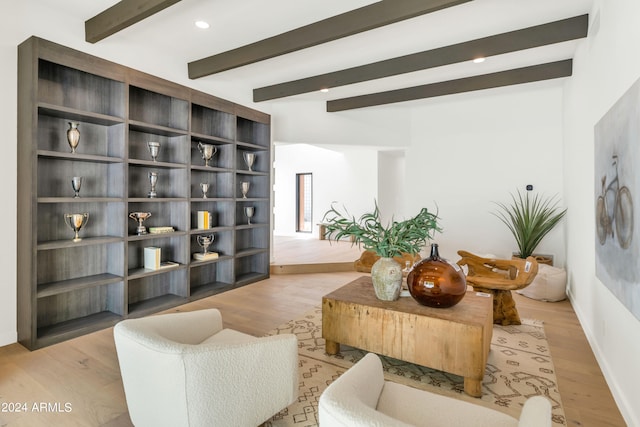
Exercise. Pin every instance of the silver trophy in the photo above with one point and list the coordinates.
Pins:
(76, 221)
(249, 211)
(205, 242)
(249, 159)
(140, 217)
(244, 187)
(154, 148)
(76, 183)
(153, 180)
(204, 187)
(73, 135)
(207, 151)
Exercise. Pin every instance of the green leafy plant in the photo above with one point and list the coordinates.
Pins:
(529, 219)
(387, 241)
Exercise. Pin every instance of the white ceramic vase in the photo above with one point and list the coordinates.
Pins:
(386, 275)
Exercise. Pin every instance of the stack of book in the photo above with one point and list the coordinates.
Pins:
(161, 230)
(152, 259)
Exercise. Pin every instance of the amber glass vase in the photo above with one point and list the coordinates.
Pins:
(435, 282)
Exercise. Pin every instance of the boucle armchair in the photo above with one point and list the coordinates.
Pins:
(362, 398)
(184, 369)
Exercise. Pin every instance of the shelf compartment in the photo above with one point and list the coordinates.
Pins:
(55, 333)
(252, 267)
(261, 164)
(157, 109)
(98, 179)
(173, 248)
(221, 160)
(84, 308)
(210, 278)
(258, 186)
(212, 122)
(252, 238)
(260, 214)
(172, 183)
(220, 211)
(173, 149)
(72, 88)
(220, 184)
(79, 266)
(157, 292)
(222, 242)
(95, 139)
(163, 214)
(106, 220)
(254, 133)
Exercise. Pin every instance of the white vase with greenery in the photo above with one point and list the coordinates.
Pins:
(394, 239)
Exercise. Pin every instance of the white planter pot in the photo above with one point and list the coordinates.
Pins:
(386, 275)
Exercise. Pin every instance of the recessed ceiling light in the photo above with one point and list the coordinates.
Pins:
(478, 60)
(202, 24)
(324, 90)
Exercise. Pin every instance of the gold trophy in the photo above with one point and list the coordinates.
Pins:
(76, 221)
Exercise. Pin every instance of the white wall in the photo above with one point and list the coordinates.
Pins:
(604, 68)
(468, 151)
(10, 36)
(346, 175)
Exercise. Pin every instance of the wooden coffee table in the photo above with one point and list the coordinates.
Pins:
(454, 340)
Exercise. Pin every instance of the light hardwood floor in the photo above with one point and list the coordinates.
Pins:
(83, 372)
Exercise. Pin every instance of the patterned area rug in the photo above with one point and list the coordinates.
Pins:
(519, 367)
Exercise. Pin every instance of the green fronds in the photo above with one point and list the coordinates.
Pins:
(529, 219)
(407, 236)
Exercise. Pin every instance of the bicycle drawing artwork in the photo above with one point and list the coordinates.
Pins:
(614, 210)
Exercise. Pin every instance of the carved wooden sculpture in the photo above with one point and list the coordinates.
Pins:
(499, 277)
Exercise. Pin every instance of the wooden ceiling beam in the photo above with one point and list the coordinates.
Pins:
(529, 74)
(539, 35)
(346, 24)
(120, 16)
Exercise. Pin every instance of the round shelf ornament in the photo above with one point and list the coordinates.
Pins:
(435, 282)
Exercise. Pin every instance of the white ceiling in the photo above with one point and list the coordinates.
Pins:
(234, 23)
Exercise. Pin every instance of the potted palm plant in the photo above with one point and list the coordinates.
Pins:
(395, 238)
(530, 219)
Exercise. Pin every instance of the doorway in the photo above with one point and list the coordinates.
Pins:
(304, 202)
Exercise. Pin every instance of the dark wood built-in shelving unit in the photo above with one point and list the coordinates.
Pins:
(66, 288)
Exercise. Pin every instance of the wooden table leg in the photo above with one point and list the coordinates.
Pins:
(332, 347)
(473, 387)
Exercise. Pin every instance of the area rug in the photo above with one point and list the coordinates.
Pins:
(519, 366)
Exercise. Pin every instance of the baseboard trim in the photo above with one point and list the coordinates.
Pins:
(330, 267)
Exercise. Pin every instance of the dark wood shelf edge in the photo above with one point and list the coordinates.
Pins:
(78, 157)
(86, 241)
(211, 138)
(54, 288)
(139, 126)
(68, 113)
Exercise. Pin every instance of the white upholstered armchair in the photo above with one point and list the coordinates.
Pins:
(184, 369)
(362, 398)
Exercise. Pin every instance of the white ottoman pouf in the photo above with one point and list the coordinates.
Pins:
(550, 284)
